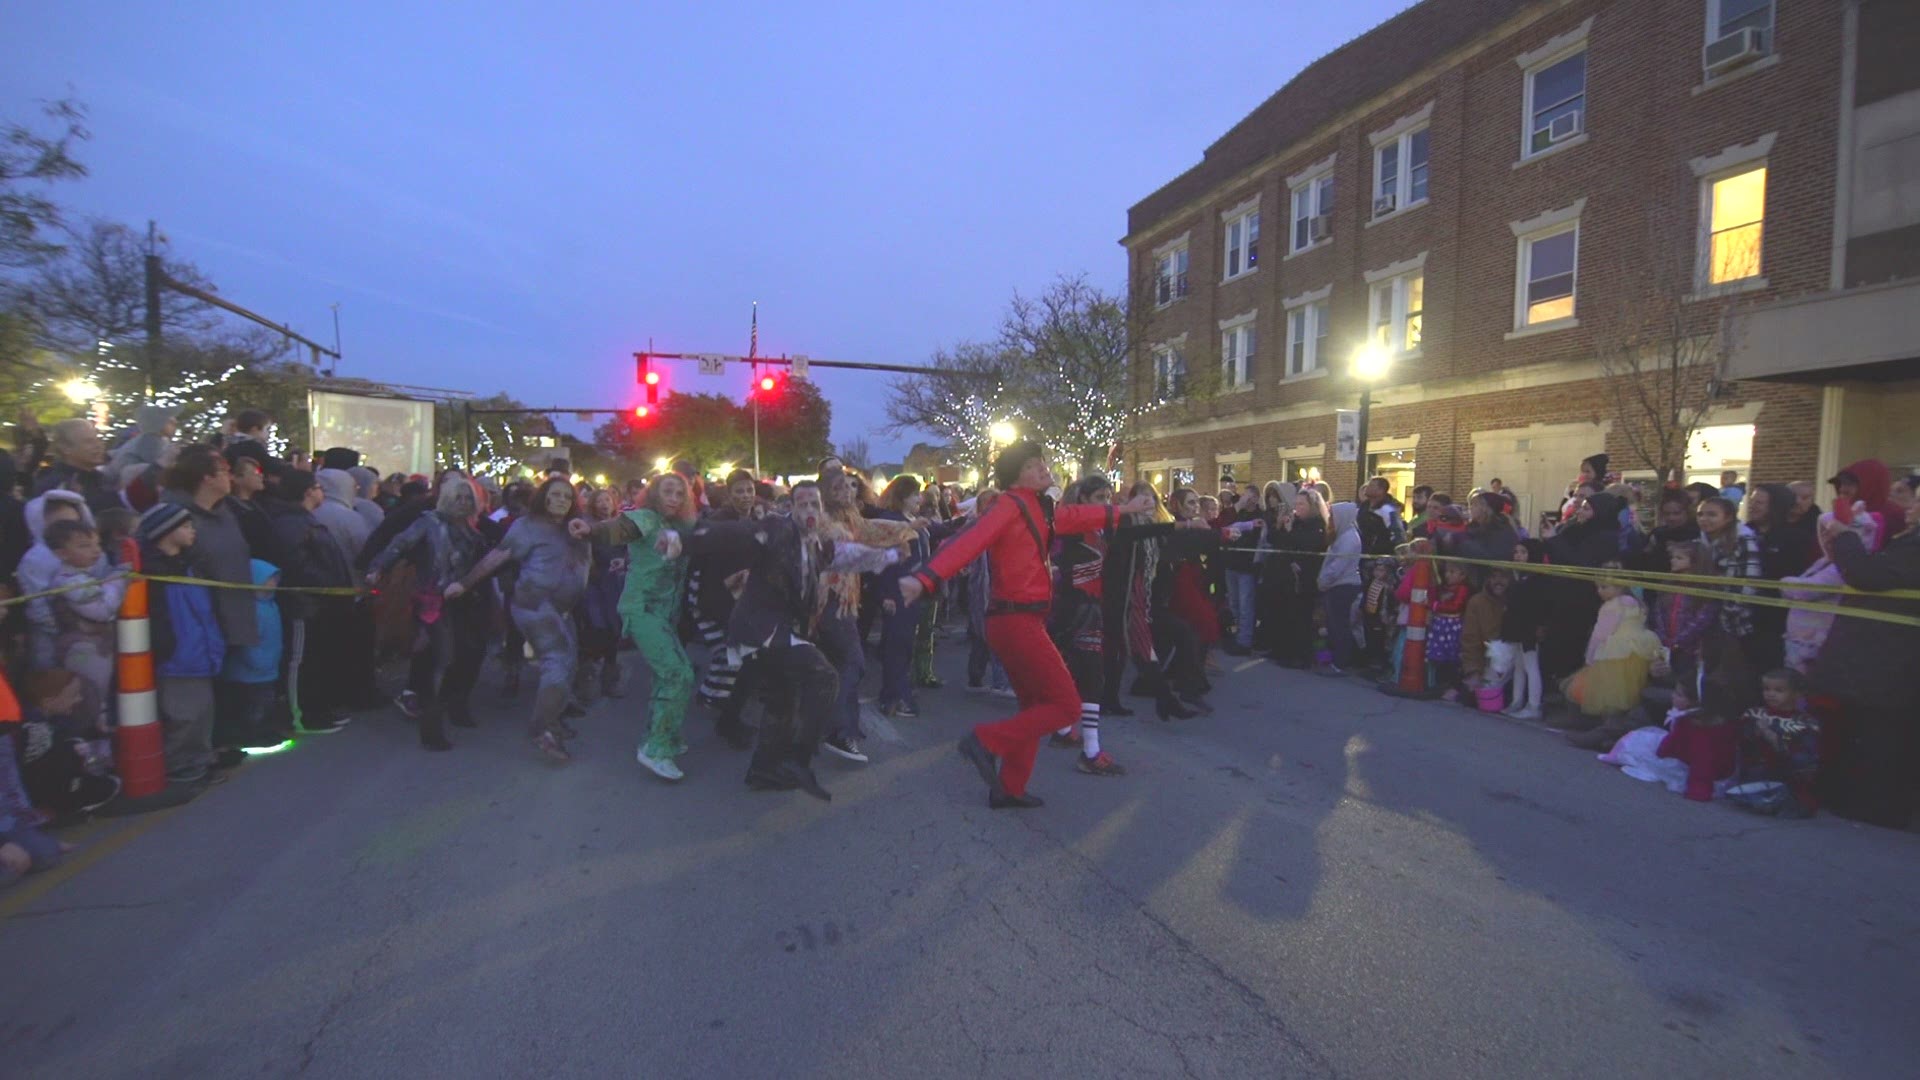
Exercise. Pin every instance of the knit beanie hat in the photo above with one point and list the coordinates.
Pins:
(341, 458)
(162, 519)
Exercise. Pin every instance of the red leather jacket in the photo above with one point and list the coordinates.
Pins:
(1015, 534)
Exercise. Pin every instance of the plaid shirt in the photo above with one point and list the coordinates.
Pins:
(1741, 559)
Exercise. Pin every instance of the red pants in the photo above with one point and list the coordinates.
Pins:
(1048, 699)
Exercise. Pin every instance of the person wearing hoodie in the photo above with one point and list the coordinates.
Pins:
(348, 529)
(40, 566)
(188, 648)
(200, 481)
(1590, 538)
(243, 698)
(310, 558)
(366, 485)
(1339, 583)
(1869, 482)
(151, 446)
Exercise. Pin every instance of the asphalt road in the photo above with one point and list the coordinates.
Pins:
(1317, 880)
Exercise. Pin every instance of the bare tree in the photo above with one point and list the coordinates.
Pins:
(959, 409)
(1662, 344)
(29, 161)
(857, 453)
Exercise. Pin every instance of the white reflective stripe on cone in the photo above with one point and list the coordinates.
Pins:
(140, 708)
(134, 636)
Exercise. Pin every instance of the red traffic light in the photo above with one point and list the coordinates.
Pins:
(640, 412)
(653, 378)
(766, 382)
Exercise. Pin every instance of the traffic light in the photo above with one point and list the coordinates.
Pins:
(649, 378)
(640, 412)
(766, 384)
(653, 388)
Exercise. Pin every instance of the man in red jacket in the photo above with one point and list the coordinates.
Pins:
(1017, 535)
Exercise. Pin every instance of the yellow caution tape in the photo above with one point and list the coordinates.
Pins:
(319, 590)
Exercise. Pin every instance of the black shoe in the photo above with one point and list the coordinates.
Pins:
(805, 781)
(736, 734)
(770, 778)
(1114, 708)
(1196, 703)
(229, 757)
(1000, 800)
(573, 711)
(1170, 709)
(931, 682)
(845, 748)
(975, 751)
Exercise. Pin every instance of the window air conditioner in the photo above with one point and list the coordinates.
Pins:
(1563, 127)
(1724, 54)
(1319, 228)
(1385, 204)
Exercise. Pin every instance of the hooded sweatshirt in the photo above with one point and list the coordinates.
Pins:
(348, 529)
(149, 446)
(259, 662)
(366, 484)
(1342, 564)
(40, 568)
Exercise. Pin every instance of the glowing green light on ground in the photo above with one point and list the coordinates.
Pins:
(256, 751)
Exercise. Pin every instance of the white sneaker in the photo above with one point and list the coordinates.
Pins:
(1003, 691)
(665, 770)
(846, 748)
(1524, 714)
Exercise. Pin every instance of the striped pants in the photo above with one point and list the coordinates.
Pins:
(717, 686)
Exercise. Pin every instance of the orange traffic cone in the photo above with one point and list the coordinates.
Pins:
(138, 745)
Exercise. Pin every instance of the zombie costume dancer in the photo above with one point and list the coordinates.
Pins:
(781, 596)
(450, 637)
(649, 610)
(712, 604)
(552, 579)
(1017, 534)
(837, 616)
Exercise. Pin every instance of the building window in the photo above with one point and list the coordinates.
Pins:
(1306, 338)
(1728, 17)
(1396, 309)
(1548, 262)
(1237, 344)
(1734, 209)
(1243, 244)
(1169, 372)
(1170, 275)
(1313, 211)
(1556, 101)
(1400, 173)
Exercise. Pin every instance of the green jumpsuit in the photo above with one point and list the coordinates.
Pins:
(649, 610)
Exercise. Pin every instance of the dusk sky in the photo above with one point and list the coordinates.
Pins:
(516, 197)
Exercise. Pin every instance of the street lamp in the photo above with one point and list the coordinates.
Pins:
(1370, 363)
(80, 391)
(661, 464)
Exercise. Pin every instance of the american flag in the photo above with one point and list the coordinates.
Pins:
(753, 341)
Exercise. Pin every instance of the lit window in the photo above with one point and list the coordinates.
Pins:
(1243, 243)
(1395, 311)
(1306, 338)
(1170, 275)
(1548, 262)
(1313, 211)
(1236, 353)
(1400, 172)
(1556, 102)
(1735, 212)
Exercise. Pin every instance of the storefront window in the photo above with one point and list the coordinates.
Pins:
(1397, 467)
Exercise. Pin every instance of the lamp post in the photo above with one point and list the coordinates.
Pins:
(1370, 363)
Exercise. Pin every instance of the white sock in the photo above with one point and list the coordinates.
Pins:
(1090, 728)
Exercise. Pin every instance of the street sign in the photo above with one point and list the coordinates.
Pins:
(1346, 435)
(712, 364)
(800, 367)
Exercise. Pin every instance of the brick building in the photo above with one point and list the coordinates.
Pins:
(1513, 199)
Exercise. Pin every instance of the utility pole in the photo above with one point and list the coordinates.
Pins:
(155, 275)
(334, 367)
(753, 388)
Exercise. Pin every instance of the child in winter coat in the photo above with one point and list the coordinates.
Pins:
(84, 613)
(1807, 630)
(1780, 745)
(1376, 609)
(1445, 626)
(1620, 652)
(188, 649)
(1681, 621)
(63, 773)
(38, 568)
(1521, 628)
(245, 695)
(23, 846)
(1480, 628)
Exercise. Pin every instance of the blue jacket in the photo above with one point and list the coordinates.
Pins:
(259, 662)
(187, 643)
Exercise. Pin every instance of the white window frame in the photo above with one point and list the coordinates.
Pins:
(1308, 327)
(1171, 275)
(1239, 344)
(1526, 233)
(1243, 259)
(1389, 292)
(1399, 137)
(1731, 161)
(1533, 62)
(1316, 181)
(1163, 356)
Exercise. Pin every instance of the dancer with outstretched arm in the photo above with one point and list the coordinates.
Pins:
(1017, 534)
